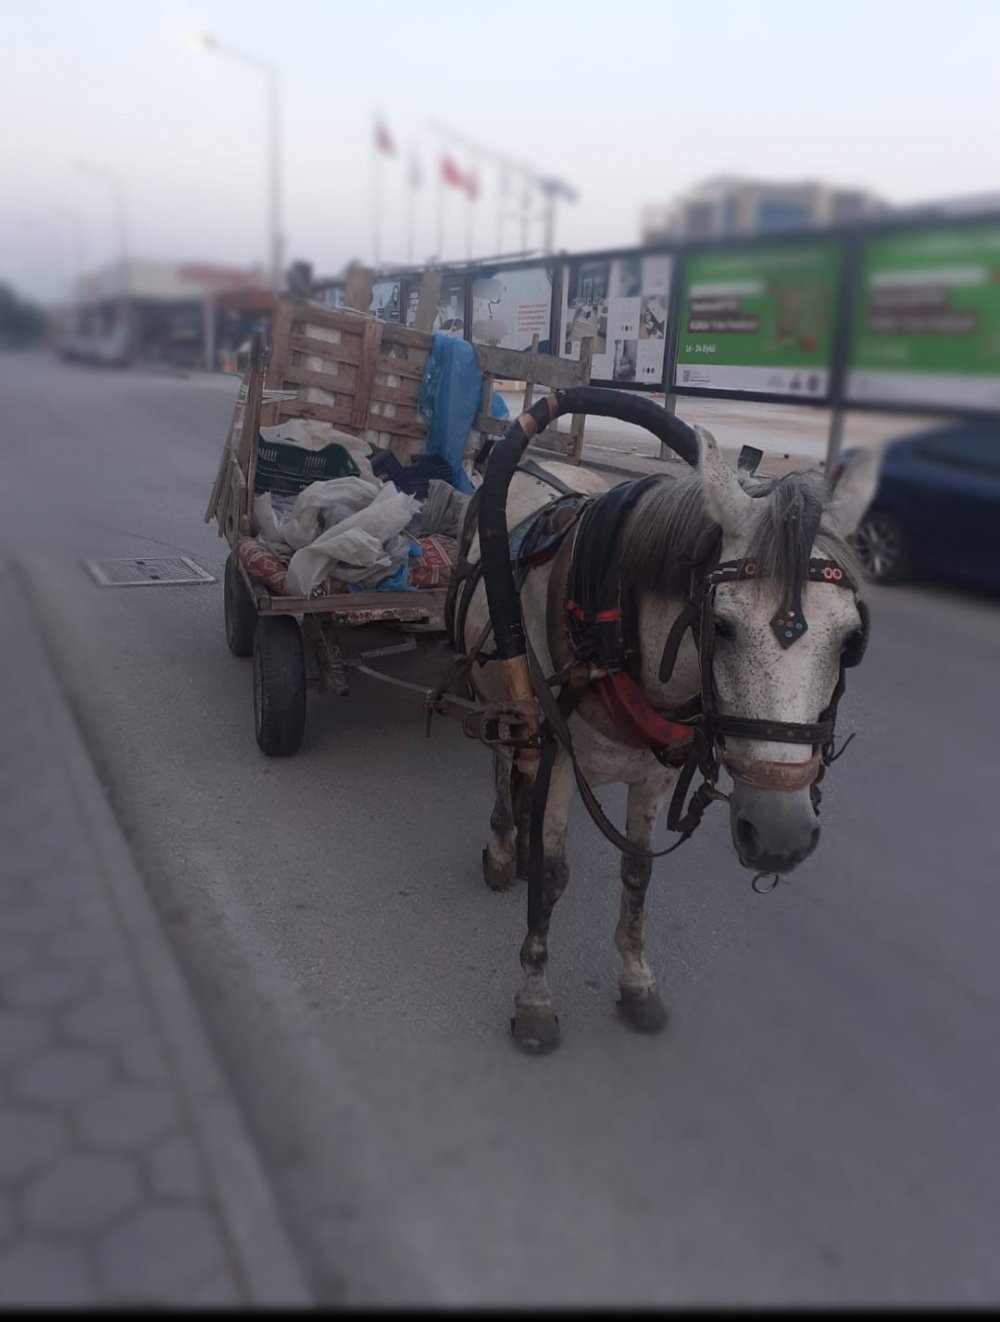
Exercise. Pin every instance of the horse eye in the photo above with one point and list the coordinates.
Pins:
(723, 629)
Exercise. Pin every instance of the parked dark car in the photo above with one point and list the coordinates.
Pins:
(937, 507)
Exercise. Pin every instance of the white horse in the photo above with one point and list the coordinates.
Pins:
(727, 517)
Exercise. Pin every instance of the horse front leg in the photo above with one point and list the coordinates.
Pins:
(639, 1001)
(498, 856)
(535, 1025)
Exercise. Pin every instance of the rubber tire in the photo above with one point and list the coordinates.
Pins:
(279, 685)
(900, 564)
(241, 613)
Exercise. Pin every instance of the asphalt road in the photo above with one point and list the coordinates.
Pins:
(819, 1123)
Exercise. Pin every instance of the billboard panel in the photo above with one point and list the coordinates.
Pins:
(386, 300)
(510, 305)
(759, 320)
(621, 304)
(449, 318)
(927, 320)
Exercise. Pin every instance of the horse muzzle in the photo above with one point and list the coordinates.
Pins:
(774, 827)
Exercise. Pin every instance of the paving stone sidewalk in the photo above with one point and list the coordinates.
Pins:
(126, 1174)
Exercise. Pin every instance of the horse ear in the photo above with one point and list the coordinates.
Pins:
(854, 492)
(726, 503)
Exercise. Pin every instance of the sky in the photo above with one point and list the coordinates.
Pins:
(629, 103)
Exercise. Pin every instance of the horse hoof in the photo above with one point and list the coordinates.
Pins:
(535, 1030)
(497, 878)
(643, 1011)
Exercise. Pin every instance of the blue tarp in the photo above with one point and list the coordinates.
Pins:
(450, 397)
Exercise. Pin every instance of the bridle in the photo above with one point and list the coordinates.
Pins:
(789, 624)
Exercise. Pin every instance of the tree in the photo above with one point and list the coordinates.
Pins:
(21, 323)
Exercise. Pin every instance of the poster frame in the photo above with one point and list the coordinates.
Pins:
(761, 243)
(887, 227)
(568, 260)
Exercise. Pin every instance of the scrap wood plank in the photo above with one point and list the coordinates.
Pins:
(234, 424)
(371, 341)
(279, 344)
(250, 423)
(575, 448)
(542, 369)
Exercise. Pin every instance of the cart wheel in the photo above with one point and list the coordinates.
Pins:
(241, 613)
(279, 685)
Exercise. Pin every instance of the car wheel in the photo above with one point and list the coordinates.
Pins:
(882, 545)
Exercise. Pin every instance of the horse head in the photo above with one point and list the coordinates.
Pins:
(777, 630)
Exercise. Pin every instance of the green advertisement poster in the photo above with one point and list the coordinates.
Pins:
(927, 327)
(759, 320)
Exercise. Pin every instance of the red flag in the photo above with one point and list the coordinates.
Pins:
(451, 174)
(472, 185)
(383, 139)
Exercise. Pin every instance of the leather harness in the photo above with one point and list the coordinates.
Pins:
(600, 624)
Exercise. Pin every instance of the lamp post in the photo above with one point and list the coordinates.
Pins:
(270, 70)
(114, 182)
(74, 223)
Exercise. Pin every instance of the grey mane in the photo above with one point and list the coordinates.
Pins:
(669, 534)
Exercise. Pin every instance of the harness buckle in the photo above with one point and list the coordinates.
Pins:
(509, 725)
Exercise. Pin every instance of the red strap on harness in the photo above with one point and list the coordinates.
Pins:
(592, 617)
(627, 706)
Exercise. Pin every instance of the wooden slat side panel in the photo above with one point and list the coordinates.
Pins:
(492, 426)
(327, 379)
(322, 314)
(347, 350)
(403, 369)
(304, 408)
(405, 335)
(396, 391)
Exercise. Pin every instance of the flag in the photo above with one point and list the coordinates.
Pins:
(472, 185)
(383, 139)
(451, 174)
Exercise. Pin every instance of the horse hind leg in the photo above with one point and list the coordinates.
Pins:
(639, 1002)
(498, 856)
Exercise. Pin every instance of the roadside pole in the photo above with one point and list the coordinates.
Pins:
(835, 439)
(670, 405)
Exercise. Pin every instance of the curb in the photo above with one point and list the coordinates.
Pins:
(270, 1272)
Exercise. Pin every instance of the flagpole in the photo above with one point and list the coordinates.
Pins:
(377, 192)
(440, 244)
(413, 206)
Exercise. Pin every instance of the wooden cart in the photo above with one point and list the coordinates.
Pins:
(363, 375)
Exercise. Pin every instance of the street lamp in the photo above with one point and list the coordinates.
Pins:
(118, 188)
(205, 41)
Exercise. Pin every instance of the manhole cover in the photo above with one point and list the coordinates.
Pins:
(141, 573)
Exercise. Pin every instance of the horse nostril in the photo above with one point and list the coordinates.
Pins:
(746, 834)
